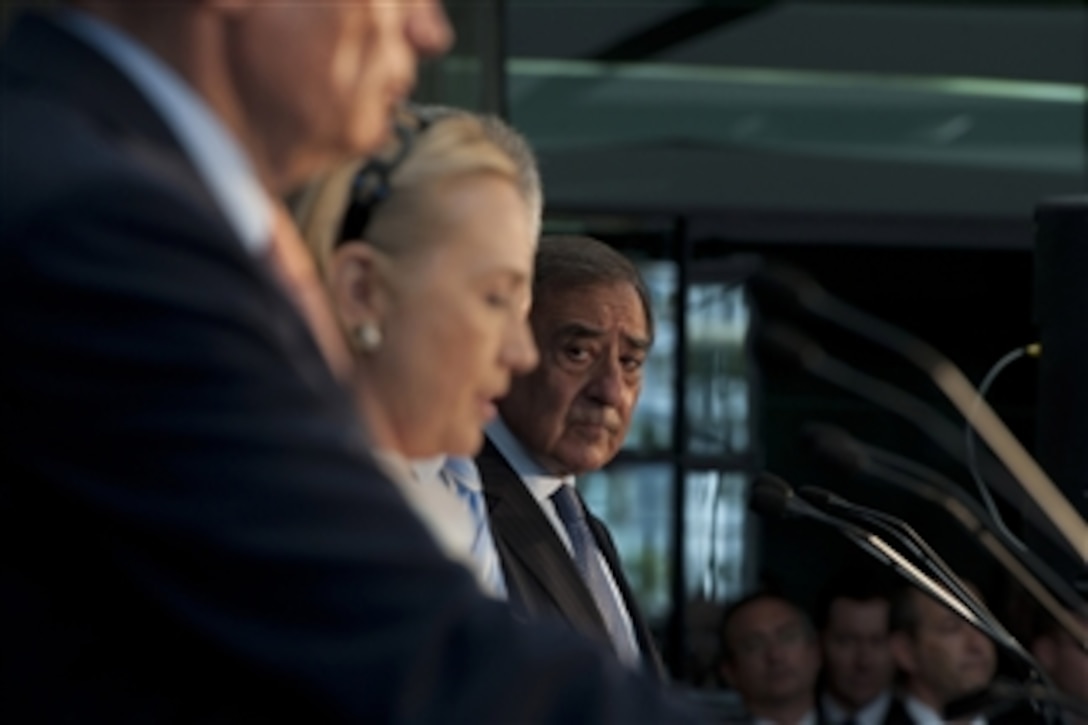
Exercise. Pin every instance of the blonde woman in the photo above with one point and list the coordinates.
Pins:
(427, 253)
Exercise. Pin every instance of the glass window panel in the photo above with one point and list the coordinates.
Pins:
(635, 502)
(651, 424)
(715, 539)
(718, 394)
(471, 74)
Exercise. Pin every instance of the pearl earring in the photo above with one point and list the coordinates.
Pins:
(368, 336)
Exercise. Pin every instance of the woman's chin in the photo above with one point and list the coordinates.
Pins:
(466, 444)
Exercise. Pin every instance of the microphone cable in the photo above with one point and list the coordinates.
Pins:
(1033, 350)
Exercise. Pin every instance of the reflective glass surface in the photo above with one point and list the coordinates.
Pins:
(719, 392)
(651, 424)
(635, 502)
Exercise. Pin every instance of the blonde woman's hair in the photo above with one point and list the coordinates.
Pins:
(512, 143)
(453, 146)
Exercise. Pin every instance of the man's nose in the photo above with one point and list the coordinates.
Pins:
(429, 30)
(976, 641)
(607, 385)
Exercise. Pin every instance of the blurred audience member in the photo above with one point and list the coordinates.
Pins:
(593, 325)
(770, 656)
(1064, 660)
(942, 657)
(858, 669)
(427, 252)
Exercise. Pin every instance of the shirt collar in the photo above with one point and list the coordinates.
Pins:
(540, 482)
(426, 469)
(923, 714)
(871, 714)
(808, 719)
(219, 160)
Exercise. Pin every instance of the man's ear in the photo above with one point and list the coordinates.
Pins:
(902, 652)
(727, 673)
(358, 284)
(816, 648)
(1043, 649)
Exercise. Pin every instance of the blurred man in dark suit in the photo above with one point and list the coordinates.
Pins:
(593, 325)
(770, 656)
(942, 657)
(1064, 660)
(192, 528)
(858, 669)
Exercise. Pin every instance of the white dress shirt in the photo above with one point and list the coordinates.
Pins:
(542, 485)
(458, 525)
(220, 161)
(808, 719)
(440, 509)
(923, 714)
(872, 714)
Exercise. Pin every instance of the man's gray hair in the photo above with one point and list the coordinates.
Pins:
(567, 261)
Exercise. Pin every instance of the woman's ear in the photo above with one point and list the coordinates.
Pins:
(358, 284)
(1043, 649)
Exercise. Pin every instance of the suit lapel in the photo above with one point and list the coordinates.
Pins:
(525, 532)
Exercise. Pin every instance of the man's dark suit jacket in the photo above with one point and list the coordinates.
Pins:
(541, 577)
(896, 714)
(190, 527)
(1019, 715)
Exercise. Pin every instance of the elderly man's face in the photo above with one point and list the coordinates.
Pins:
(318, 80)
(573, 411)
(945, 656)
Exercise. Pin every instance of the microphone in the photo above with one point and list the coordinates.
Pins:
(909, 538)
(793, 285)
(857, 458)
(787, 344)
(772, 496)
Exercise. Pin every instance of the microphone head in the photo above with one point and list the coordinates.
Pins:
(771, 496)
(821, 498)
(836, 446)
(779, 285)
(785, 345)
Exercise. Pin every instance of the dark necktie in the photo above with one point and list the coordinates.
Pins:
(590, 563)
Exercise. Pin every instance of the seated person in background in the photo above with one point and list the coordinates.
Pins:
(1064, 660)
(770, 656)
(593, 325)
(858, 669)
(942, 657)
(427, 253)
